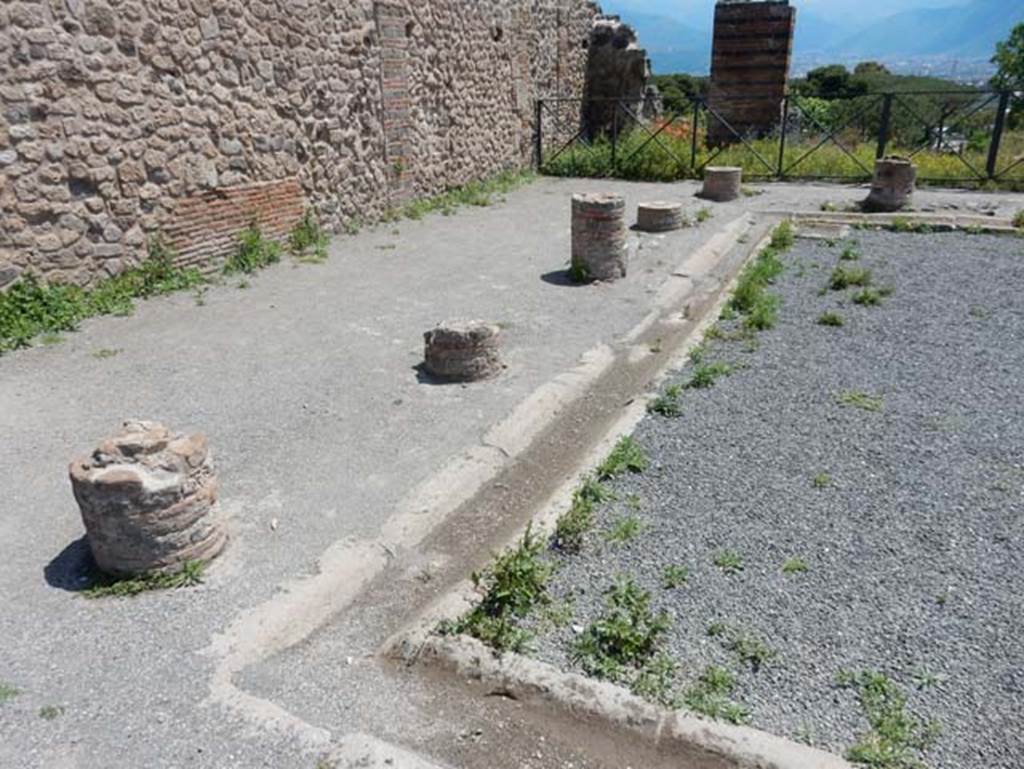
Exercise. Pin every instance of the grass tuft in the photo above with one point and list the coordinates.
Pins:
(674, 576)
(7, 692)
(728, 561)
(579, 519)
(625, 529)
(106, 586)
(707, 374)
(844, 277)
(627, 456)
(1018, 219)
(795, 566)
(860, 400)
(254, 252)
(512, 586)
(831, 318)
(710, 696)
(307, 241)
(896, 739)
(667, 404)
(624, 643)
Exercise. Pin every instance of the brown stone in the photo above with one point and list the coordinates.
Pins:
(722, 183)
(892, 186)
(599, 249)
(659, 216)
(463, 350)
(148, 500)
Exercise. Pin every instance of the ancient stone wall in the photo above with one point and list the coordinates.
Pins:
(123, 118)
(750, 57)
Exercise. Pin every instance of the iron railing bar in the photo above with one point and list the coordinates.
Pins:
(733, 131)
(653, 137)
(830, 136)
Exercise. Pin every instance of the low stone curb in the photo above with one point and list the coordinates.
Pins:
(698, 743)
(938, 222)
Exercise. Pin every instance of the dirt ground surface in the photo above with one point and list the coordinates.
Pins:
(340, 466)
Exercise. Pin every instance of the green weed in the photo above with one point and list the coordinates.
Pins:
(106, 586)
(578, 520)
(710, 696)
(707, 374)
(476, 193)
(512, 586)
(106, 352)
(50, 339)
(254, 252)
(728, 561)
(674, 576)
(749, 649)
(783, 237)
(831, 318)
(851, 252)
(667, 404)
(623, 644)
(307, 241)
(30, 308)
(843, 277)
(822, 481)
(7, 692)
(625, 529)
(50, 712)
(860, 400)
(867, 297)
(703, 215)
(1018, 219)
(627, 456)
(764, 314)
(896, 739)
(795, 566)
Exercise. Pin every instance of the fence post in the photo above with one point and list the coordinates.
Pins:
(615, 135)
(782, 138)
(997, 135)
(883, 126)
(538, 133)
(693, 136)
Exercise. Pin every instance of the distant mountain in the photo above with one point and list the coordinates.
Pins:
(970, 30)
(677, 36)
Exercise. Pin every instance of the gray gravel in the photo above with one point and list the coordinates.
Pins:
(914, 549)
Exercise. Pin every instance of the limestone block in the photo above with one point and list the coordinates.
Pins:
(722, 183)
(660, 216)
(599, 250)
(893, 185)
(463, 350)
(148, 499)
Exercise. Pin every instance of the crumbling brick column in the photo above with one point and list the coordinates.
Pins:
(750, 57)
(148, 500)
(463, 351)
(599, 250)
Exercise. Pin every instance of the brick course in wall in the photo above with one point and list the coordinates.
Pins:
(123, 118)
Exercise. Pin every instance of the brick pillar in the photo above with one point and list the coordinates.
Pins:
(750, 56)
(392, 19)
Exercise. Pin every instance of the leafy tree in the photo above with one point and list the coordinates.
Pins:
(870, 68)
(1009, 60)
(831, 82)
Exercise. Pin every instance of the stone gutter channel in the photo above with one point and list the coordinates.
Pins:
(524, 470)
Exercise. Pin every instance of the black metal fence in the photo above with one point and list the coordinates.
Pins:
(956, 136)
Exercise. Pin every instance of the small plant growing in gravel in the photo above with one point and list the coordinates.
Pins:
(867, 297)
(831, 318)
(191, 574)
(843, 277)
(703, 214)
(860, 400)
(625, 529)
(1018, 219)
(729, 561)
(307, 240)
(627, 456)
(795, 566)
(710, 696)
(764, 314)
(707, 374)
(624, 642)
(783, 237)
(897, 739)
(674, 576)
(717, 629)
(822, 481)
(7, 692)
(513, 586)
(925, 679)
(979, 312)
(254, 252)
(667, 404)
(50, 712)
(577, 521)
(851, 252)
(750, 649)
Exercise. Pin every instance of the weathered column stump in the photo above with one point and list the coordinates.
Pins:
(148, 499)
(722, 183)
(463, 351)
(659, 216)
(892, 186)
(599, 250)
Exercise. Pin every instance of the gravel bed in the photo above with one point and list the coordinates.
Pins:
(913, 542)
